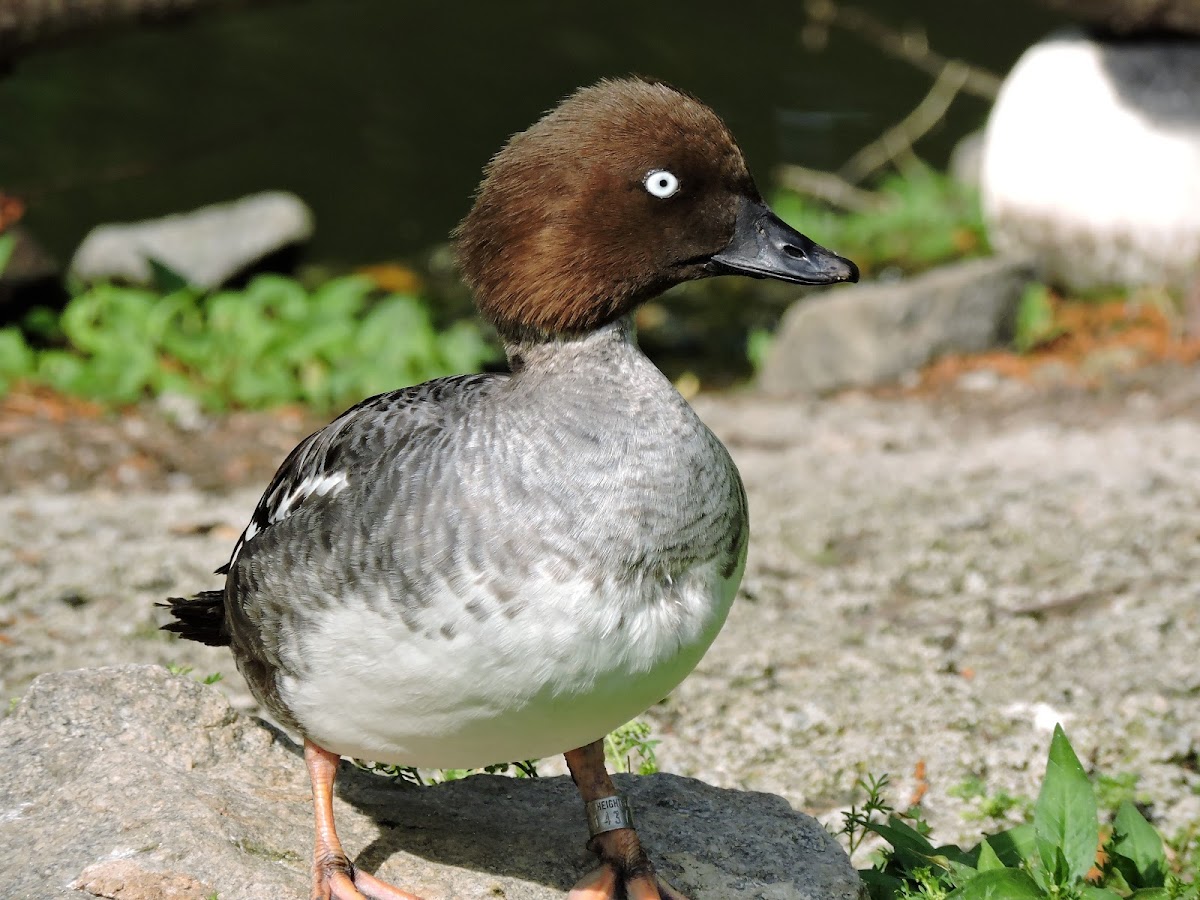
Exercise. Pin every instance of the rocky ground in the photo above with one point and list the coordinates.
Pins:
(934, 581)
(190, 801)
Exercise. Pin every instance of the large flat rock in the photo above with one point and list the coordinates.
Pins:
(134, 784)
(875, 333)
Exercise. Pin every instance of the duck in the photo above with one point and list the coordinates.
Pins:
(508, 566)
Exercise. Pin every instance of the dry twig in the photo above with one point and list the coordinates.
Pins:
(951, 77)
(909, 46)
(898, 140)
(831, 188)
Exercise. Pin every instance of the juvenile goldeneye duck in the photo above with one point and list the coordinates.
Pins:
(503, 567)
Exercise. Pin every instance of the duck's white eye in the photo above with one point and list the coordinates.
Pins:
(661, 183)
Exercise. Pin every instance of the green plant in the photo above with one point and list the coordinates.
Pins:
(16, 359)
(1113, 790)
(1184, 851)
(1036, 324)
(758, 347)
(924, 218)
(8, 243)
(273, 342)
(997, 805)
(631, 740)
(413, 775)
(1063, 854)
(182, 670)
(858, 819)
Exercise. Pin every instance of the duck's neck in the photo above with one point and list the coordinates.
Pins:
(612, 346)
(588, 374)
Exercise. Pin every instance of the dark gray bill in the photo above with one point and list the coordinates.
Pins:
(764, 246)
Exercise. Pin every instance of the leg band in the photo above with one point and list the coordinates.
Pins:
(608, 814)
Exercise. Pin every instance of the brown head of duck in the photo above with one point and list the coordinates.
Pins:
(623, 190)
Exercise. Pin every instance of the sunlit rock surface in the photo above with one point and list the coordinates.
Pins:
(876, 333)
(207, 246)
(132, 783)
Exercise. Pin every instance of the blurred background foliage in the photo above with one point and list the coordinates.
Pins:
(923, 218)
(380, 117)
(272, 343)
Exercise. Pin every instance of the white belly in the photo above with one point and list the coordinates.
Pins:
(576, 662)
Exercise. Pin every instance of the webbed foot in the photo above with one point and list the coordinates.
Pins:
(334, 876)
(625, 872)
(618, 879)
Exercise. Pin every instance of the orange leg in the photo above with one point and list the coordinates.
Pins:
(334, 876)
(625, 870)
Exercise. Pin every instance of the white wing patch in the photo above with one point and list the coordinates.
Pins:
(312, 486)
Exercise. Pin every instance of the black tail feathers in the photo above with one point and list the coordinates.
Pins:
(200, 618)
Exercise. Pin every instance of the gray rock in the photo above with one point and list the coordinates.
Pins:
(1091, 161)
(206, 246)
(129, 782)
(1134, 16)
(876, 333)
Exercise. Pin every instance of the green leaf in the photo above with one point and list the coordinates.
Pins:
(953, 857)
(8, 243)
(1114, 880)
(42, 323)
(910, 849)
(902, 836)
(959, 873)
(999, 884)
(880, 885)
(1091, 892)
(758, 347)
(62, 371)
(1138, 849)
(164, 278)
(463, 347)
(1064, 818)
(1155, 893)
(988, 860)
(1035, 323)
(1015, 846)
(16, 359)
(122, 378)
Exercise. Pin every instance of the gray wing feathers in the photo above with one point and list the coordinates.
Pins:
(365, 437)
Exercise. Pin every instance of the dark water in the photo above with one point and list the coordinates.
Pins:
(380, 114)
